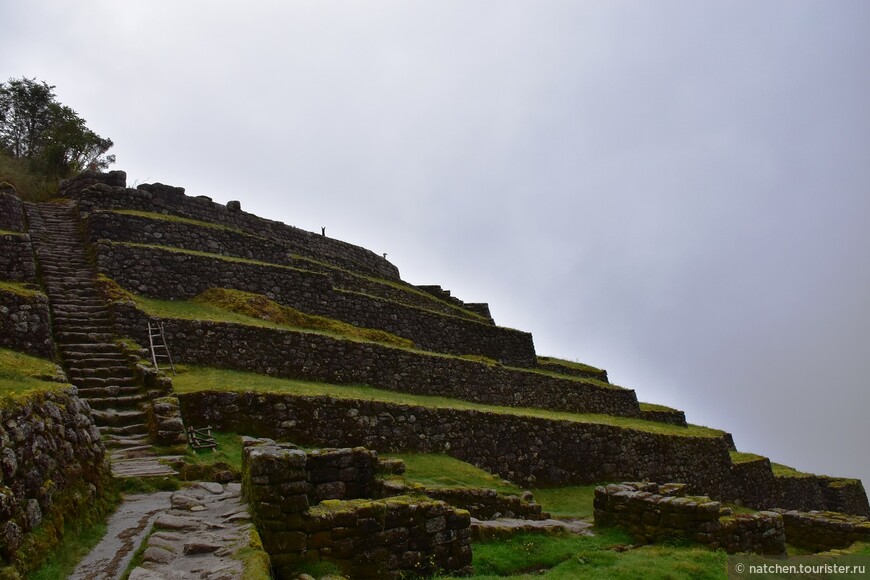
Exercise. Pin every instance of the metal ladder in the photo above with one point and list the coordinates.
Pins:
(155, 332)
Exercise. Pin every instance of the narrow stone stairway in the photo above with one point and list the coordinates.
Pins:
(93, 361)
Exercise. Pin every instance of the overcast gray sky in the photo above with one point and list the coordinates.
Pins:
(675, 191)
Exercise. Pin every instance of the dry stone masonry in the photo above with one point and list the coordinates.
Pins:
(53, 465)
(107, 191)
(331, 359)
(309, 507)
(651, 512)
(163, 273)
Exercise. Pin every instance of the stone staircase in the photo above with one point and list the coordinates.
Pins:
(94, 362)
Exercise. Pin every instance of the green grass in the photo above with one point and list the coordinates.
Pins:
(594, 557)
(18, 288)
(77, 543)
(9, 233)
(178, 219)
(780, 470)
(316, 263)
(221, 305)
(570, 364)
(194, 379)
(657, 408)
(741, 457)
(436, 470)
(570, 501)
(21, 374)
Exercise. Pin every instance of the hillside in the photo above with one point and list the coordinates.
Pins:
(294, 336)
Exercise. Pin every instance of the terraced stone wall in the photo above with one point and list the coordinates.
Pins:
(25, 324)
(650, 515)
(52, 466)
(165, 274)
(16, 258)
(756, 484)
(109, 225)
(324, 358)
(823, 531)
(367, 538)
(526, 450)
(11, 212)
(816, 492)
(161, 198)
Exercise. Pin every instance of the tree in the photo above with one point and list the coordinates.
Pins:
(52, 136)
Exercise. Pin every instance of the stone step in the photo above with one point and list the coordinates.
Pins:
(89, 393)
(113, 418)
(69, 337)
(106, 371)
(73, 308)
(78, 304)
(89, 361)
(117, 403)
(79, 329)
(92, 347)
(100, 382)
(121, 442)
(123, 430)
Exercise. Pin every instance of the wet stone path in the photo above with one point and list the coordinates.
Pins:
(196, 532)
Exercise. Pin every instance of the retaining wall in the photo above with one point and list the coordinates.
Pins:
(25, 324)
(52, 466)
(162, 273)
(16, 258)
(823, 531)
(109, 225)
(159, 198)
(366, 538)
(650, 516)
(527, 450)
(329, 359)
(11, 212)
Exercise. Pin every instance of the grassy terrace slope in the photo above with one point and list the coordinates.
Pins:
(193, 379)
(21, 375)
(203, 308)
(236, 243)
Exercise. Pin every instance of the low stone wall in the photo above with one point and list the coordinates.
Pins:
(526, 450)
(160, 198)
(819, 492)
(845, 495)
(650, 516)
(366, 538)
(756, 485)
(11, 211)
(113, 226)
(323, 358)
(25, 324)
(488, 504)
(16, 258)
(663, 415)
(563, 369)
(52, 466)
(823, 531)
(162, 273)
